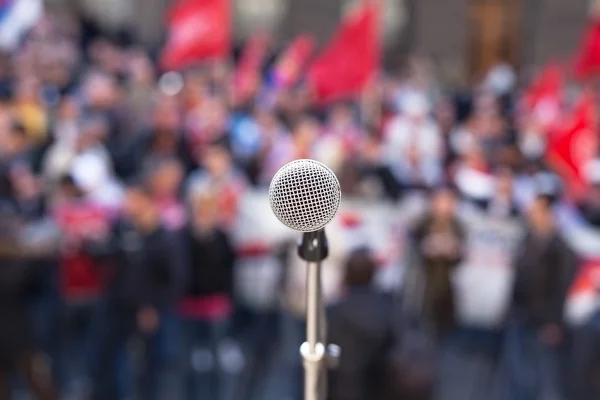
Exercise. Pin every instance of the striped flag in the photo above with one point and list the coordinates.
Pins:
(16, 18)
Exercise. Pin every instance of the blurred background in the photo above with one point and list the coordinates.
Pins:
(139, 257)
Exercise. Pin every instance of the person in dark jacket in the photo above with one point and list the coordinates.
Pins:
(545, 269)
(439, 241)
(360, 325)
(150, 267)
(19, 351)
(207, 305)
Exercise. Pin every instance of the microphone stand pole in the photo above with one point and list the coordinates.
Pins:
(313, 249)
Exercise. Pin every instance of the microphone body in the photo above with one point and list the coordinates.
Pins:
(305, 195)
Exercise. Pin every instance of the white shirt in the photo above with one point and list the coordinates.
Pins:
(402, 136)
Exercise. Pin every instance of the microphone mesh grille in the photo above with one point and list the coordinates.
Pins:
(305, 195)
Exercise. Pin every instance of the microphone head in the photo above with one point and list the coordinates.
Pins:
(305, 195)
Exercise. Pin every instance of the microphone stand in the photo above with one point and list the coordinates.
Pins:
(313, 249)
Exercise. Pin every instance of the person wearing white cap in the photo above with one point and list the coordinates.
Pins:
(91, 172)
(413, 144)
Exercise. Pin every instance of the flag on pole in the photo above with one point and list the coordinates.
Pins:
(288, 67)
(543, 97)
(197, 30)
(587, 59)
(248, 71)
(350, 61)
(574, 144)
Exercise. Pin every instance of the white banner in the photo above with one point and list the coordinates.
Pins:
(374, 224)
(484, 279)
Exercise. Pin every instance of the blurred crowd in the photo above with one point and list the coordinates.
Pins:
(121, 187)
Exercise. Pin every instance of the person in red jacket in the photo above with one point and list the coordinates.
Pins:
(81, 282)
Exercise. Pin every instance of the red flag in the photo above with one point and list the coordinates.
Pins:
(587, 279)
(547, 84)
(350, 61)
(572, 146)
(247, 74)
(543, 97)
(197, 30)
(289, 66)
(587, 61)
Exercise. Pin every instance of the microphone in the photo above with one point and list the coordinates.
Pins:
(305, 195)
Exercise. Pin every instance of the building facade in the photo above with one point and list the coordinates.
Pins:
(462, 37)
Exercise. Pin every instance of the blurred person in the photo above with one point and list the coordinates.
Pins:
(272, 130)
(27, 193)
(412, 144)
(107, 55)
(65, 131)
(207, 122)
(207, 305)
(341, 124)
(34, 229)
(19, 352)
(365, 174)
(92, 172)
(17, 146)
(532, 138)
(439, 240)
(221, 176)
(28, 202)
(81, 284)
(93, 129)
(589, 204)
(79, 140)
(56, 71)
(371, 105)
(140, 88)
(359, 323)
(545, 268)
(293, 103)
(195, 89)
(534, 178)
(500, 80)
(445, 116)
(584, 360)
(5, 74)
(30, 111)
(101, 94)
(219, 76)
(486, 124)
(358, 169)
(93, 165)
(298, 145)
(247, 140)
(340, 139)
(252, 136)
(164, 181)
(473, 177)
(502, 203)
(149, 270)
(163, 139)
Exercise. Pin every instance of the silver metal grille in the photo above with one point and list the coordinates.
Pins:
(305, 195)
